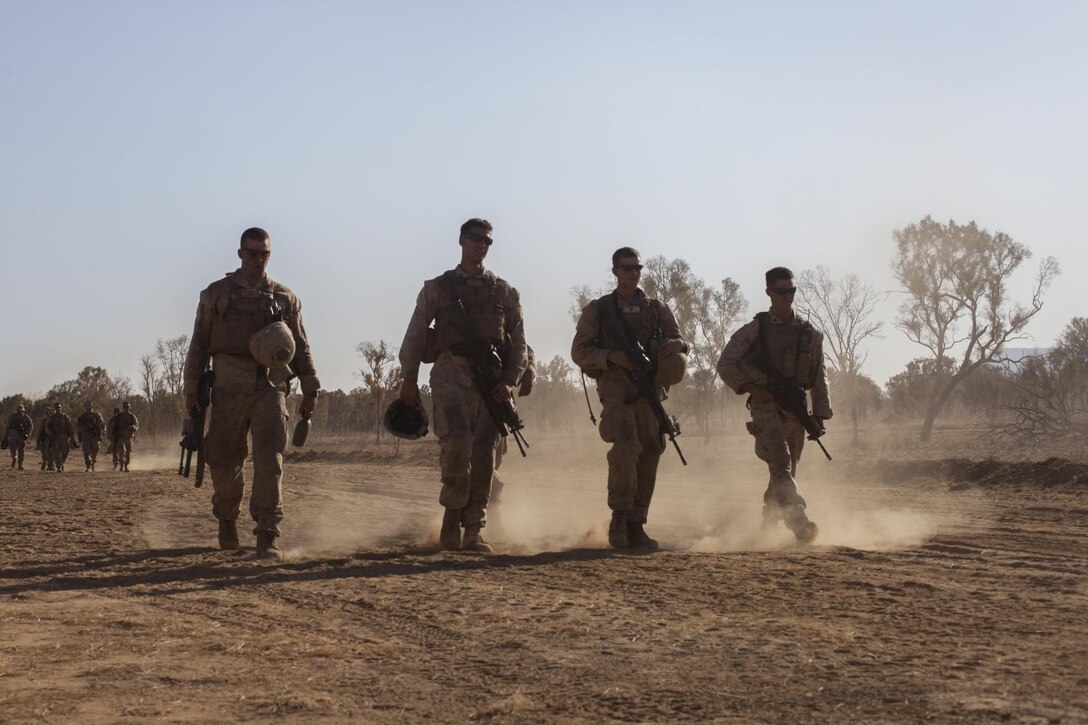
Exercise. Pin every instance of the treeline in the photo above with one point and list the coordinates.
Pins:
(957, 307)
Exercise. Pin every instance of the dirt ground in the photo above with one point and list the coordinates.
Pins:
(944, 591)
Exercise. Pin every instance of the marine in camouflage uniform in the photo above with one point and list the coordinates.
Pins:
(42, 444)
(629, 425)
(795, 348)
(127, 425)
(61, 436)
(465, 431)
(89, 429)
(113, 432)
(17, 433)
(525, 387)
(248, 399)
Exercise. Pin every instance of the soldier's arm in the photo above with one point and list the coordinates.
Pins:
(517, 356)
(670, 330)
(303, 363)
(415, 337)
(729, 368)
(821, 398)
(196, 360)
(584, 351)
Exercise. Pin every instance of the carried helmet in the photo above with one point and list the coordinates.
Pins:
(273, 346)
(405, 421)
(671, 368)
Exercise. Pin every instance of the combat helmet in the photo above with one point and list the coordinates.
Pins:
(405, 421)
(273, 346)
(671, 369)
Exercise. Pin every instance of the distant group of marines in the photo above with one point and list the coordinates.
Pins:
(57, 436)
(249, 333)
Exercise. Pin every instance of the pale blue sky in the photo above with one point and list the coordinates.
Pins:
(137, 139)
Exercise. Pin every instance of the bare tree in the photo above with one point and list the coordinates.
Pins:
(171, 358)
(843, 309)
(955, 277)
(379, 375)
(150, 386)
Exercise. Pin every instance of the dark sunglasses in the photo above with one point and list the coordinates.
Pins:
(784, 290)
(630, 267)
(256, 253)
(480, 238)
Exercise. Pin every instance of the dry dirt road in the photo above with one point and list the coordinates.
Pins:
(924, 599)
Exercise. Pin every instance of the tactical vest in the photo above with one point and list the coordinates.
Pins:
(58, 424)
(483, 298)
(641, 320)
(91, 422)
(21, 423)
(247, 311)
(788, 347)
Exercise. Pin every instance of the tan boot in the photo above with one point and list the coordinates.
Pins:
(228, 535)
(617, 530)
(450, 536)
(474, 540)
(267, 548)
(637, 537)
(798, 522)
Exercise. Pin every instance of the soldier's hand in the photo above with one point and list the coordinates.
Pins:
(502, 392)
(306, 408)
(526, 386)
(409, 392)
(670, 347)
(760, 394)
(619, 359)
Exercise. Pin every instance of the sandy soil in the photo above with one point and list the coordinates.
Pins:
(930, 595)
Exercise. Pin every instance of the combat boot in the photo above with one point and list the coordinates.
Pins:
(228, 535)
(267, 548)
(617, 530)
(474, 540)
(637, 537)
(798, 522)
(43, 465)
(450, 536)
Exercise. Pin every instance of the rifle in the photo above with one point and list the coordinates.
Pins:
(192, 430)
(789, 397)
(485, 362)
(641, 374)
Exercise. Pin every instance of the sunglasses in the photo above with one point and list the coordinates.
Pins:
(480, 238)
(256, 253)
(630, 267)
(784, 290)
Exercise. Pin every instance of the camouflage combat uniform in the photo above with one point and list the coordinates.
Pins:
(113, 432)
(127, 425)
(631, 428)
(43, 444)
(89, 427)
(61, 437)
(501, 444)
(246, 399)
(464, 428)
(20, 426)
(796, 351)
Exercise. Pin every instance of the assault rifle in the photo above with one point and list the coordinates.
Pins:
(192, 430)
(641, 374)
(789, 397)
(486, 365)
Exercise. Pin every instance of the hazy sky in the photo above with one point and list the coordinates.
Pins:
(137, 140)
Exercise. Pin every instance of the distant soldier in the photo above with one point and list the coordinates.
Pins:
(62, 436)
(466, 432)
(127, 425)
(113, 432)
(17, 434)
(628, 421)
(43, 443)
(250, 327)
(782, 338)
(90, 427)
(525, 387)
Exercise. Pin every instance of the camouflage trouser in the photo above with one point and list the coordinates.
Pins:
(90, 450)
(58, 451)
(780, 437)
(496, 483)
(123, 449)
(234, 416)
(17, 444)
(46, 451)
(637, 445)
(113, 448)
(466, 436)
